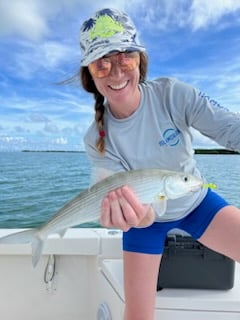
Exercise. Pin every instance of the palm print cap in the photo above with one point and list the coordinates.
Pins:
(107, 31)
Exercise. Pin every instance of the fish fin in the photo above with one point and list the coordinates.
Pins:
(37, 248)
(27, 236)
(62, 232)
(160, 206)
(98, 174)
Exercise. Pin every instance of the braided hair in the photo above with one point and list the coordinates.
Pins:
(89, 85)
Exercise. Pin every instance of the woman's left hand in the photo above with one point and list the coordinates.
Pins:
(122, 209)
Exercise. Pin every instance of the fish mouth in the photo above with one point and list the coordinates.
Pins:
(196, 187)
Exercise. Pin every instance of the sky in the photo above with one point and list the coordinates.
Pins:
(196, 41)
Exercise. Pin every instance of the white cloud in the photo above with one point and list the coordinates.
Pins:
(22, 18)
(29, 58)
(205, 12)
(166, 15)
(30, 19)
(201, 141)
(30, 100)
(54, 53)
(8, 139)
(60, 141)
(12, 143)
(160, 15)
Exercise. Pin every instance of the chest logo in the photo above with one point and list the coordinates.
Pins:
(171, 137)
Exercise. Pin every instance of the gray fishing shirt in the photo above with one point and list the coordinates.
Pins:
(158, 135)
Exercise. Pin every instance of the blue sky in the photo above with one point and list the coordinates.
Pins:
(197, 41)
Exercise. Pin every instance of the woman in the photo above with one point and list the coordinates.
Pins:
(144, 124)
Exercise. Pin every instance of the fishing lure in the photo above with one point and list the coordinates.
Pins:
(210, 185)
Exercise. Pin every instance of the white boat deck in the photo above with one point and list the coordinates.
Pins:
(87, 283)
(214, 304)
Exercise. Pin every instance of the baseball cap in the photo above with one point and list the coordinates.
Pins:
(108, 30)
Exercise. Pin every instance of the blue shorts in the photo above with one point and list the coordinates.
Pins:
(151, 239)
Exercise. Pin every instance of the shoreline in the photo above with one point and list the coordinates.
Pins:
(196, 151)
(215, 151)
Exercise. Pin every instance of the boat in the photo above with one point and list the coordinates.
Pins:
(80, 277)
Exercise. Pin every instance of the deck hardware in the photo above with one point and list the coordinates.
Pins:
(113, 232)
(50, 272)
(104, 312)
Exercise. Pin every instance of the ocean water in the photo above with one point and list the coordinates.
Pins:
(34, 185)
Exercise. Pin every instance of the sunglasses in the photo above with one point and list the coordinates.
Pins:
(126, 61)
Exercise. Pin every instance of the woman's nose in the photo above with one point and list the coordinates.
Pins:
(116, 70)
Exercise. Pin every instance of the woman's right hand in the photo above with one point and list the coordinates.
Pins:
(122, 209)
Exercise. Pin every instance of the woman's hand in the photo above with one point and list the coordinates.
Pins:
(121, 209)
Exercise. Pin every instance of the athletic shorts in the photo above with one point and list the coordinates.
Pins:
(151, 239)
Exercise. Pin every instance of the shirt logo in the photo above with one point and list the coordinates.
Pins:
(212, 101)
(170, 138)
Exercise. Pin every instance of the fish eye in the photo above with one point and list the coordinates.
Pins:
(185, 178)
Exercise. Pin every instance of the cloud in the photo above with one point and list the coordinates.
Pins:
(12, 139)
(167, 15)
(204, 12)
(39, 41)
(51, 128)
(12, 142)
(201, 141)
(36, 117)
(23, 18)
(60, 141)
(31, 19)
(160, 15)
(27, 58)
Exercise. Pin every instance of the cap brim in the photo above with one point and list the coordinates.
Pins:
(99, 52)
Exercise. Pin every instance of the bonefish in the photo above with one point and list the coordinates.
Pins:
(150, 185)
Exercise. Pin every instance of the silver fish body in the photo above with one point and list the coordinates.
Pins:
(150, 186)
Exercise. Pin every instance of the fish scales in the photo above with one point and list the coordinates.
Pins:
(88, 202)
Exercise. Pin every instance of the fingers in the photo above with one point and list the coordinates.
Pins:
(105, 218)
(148, 219)
(139, 209)
(112, 215)
(128, 211)
(122, 209)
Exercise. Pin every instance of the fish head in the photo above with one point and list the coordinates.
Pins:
(180, 184)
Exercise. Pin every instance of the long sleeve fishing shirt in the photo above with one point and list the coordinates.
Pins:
(159, 135)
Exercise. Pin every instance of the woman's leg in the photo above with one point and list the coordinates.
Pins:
(140, 283)
(223, 233)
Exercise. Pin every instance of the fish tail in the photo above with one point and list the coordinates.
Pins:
(28, 236)
(37, 248)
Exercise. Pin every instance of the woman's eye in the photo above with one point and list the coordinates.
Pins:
(103, 64)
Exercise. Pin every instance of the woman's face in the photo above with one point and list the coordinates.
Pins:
(116, 77)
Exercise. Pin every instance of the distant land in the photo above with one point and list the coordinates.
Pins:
(56, 151)
(215, 151)
(197, 151)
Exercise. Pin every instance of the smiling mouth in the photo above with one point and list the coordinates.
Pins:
(119, 86)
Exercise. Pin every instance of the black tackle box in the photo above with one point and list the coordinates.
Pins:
(186, 263)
